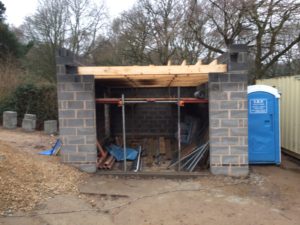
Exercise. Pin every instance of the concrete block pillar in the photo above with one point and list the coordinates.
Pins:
(50, 126)
(76, 111)
(228, 115)
(10, 120)
(29, 122)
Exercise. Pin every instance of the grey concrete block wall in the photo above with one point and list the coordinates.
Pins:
(228, 119)
(76, 111)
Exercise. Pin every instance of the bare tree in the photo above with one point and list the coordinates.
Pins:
(48, 24)
(271, 21)
(86, 21)
(218, 23)
(73, 24)
(155, 31)
(262, 24)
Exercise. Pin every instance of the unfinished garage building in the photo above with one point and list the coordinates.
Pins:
(155, 119)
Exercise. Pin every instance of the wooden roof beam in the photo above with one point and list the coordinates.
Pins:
(153, 70)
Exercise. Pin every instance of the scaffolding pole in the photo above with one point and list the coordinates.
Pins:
(179, 128)
(124, 133)
(150, 100)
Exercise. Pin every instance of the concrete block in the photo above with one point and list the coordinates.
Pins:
(75, 105)
(228, 105)
(239, 149)
(62, 95)
(77, 157)
(218, 95)
(222, 150)
(85, 113)
(239, 114)
(219, 114)
(87, 148)
(29, 122)
(229, 123)
(75, 140)
(68, 148)
(9, 119)
(91, 139)
(238, 131)
(66, 114)
(88, 168)
(230, 159)
(239, 95)
(214, 105)
(214, 123)
(230, 140)
(91, 157)
(67, 131)
(239, 171)
(90, 122)
(230, 87)
(215, 159)
(86, 95)
(89, 105)
(219, 170)
(218, 132)
(74, 122)
(30, 116)
(50, 126)
(87, 78)
(238, 78)
(86, 131)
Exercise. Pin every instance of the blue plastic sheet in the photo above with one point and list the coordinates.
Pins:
(118, 152)
(54, 149)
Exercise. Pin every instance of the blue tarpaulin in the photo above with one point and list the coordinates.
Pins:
(53, 150)
(118, 152)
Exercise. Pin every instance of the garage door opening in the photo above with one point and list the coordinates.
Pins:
(150, 121)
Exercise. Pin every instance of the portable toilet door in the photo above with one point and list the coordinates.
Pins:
(263, 125)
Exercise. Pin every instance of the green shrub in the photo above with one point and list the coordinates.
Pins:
(39, 99)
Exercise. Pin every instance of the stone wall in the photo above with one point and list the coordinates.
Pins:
(76, 109)
(228, 118)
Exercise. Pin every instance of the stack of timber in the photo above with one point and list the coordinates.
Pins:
(104, 161)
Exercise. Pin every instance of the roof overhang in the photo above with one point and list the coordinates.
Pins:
(153, 76)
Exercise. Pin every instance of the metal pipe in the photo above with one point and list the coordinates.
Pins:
(124, 133)
(149, 100)
(138, 160)
(185, 157)
(189, 159)
(196, 156)
(193, 165)
(179, 128)
(106, 118)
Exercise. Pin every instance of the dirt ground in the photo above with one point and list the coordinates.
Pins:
(270, 195)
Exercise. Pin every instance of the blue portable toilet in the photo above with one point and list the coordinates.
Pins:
(263, 125)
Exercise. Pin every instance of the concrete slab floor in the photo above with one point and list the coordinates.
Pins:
(271, 195)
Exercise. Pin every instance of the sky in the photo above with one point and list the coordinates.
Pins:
(17, 10)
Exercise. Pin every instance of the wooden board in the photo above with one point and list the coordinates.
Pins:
(154, 76)
(152, 70)
(168, 149)
(162, 146)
